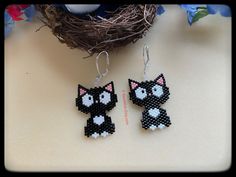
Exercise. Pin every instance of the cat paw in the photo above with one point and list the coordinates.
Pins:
(161, 126)
(153, 127)
(95, 135)
(104, 134)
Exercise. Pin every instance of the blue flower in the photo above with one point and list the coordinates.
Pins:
(190, 7)
(160, 9)
(8, 24)
(29, 12)
(223, 9)
(191, 10)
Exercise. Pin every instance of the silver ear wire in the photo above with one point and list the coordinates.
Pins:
(101, 75)
(146, 60)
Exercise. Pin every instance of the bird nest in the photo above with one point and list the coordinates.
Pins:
(124, 25)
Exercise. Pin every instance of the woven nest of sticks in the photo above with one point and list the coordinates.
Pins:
(125, 25)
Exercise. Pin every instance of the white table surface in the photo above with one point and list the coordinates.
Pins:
(44, 129)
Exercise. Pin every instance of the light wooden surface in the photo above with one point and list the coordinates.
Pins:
(44, 129)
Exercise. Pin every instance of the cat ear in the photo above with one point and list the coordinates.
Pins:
(82, 90)
(133, 84)
(160, 80)
(109, 87)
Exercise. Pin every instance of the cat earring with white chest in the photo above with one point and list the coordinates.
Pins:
(97, 101)
(151, 94)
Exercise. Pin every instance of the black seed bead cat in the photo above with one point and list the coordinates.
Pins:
(97, 101)
(151, 94)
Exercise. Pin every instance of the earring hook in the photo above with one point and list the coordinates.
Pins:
(146, 60)
(101, 75)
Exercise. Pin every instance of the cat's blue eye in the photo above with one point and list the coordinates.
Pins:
(87, 100)
(157, 90)
(141, 93)
(105, 97)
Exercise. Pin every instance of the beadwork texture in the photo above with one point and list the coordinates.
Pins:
(151, 94)
(97, 101)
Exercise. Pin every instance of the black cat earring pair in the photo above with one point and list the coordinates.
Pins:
(151, 94)
(97, 101)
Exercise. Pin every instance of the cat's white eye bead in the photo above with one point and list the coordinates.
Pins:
(105, 97)
(157, 90)
(87, 100)
(140, 93)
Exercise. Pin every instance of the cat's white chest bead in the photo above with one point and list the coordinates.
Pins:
(81, 8)
(98, 119)
(154, 112)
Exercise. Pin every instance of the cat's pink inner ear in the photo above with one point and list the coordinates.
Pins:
(160, 81)
(133, 85)
(109, 87)
(82, 91)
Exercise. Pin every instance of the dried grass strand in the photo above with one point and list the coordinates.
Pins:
(125, 25)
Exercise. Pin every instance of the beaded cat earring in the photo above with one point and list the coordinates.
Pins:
(97, 101)
(151, 94)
